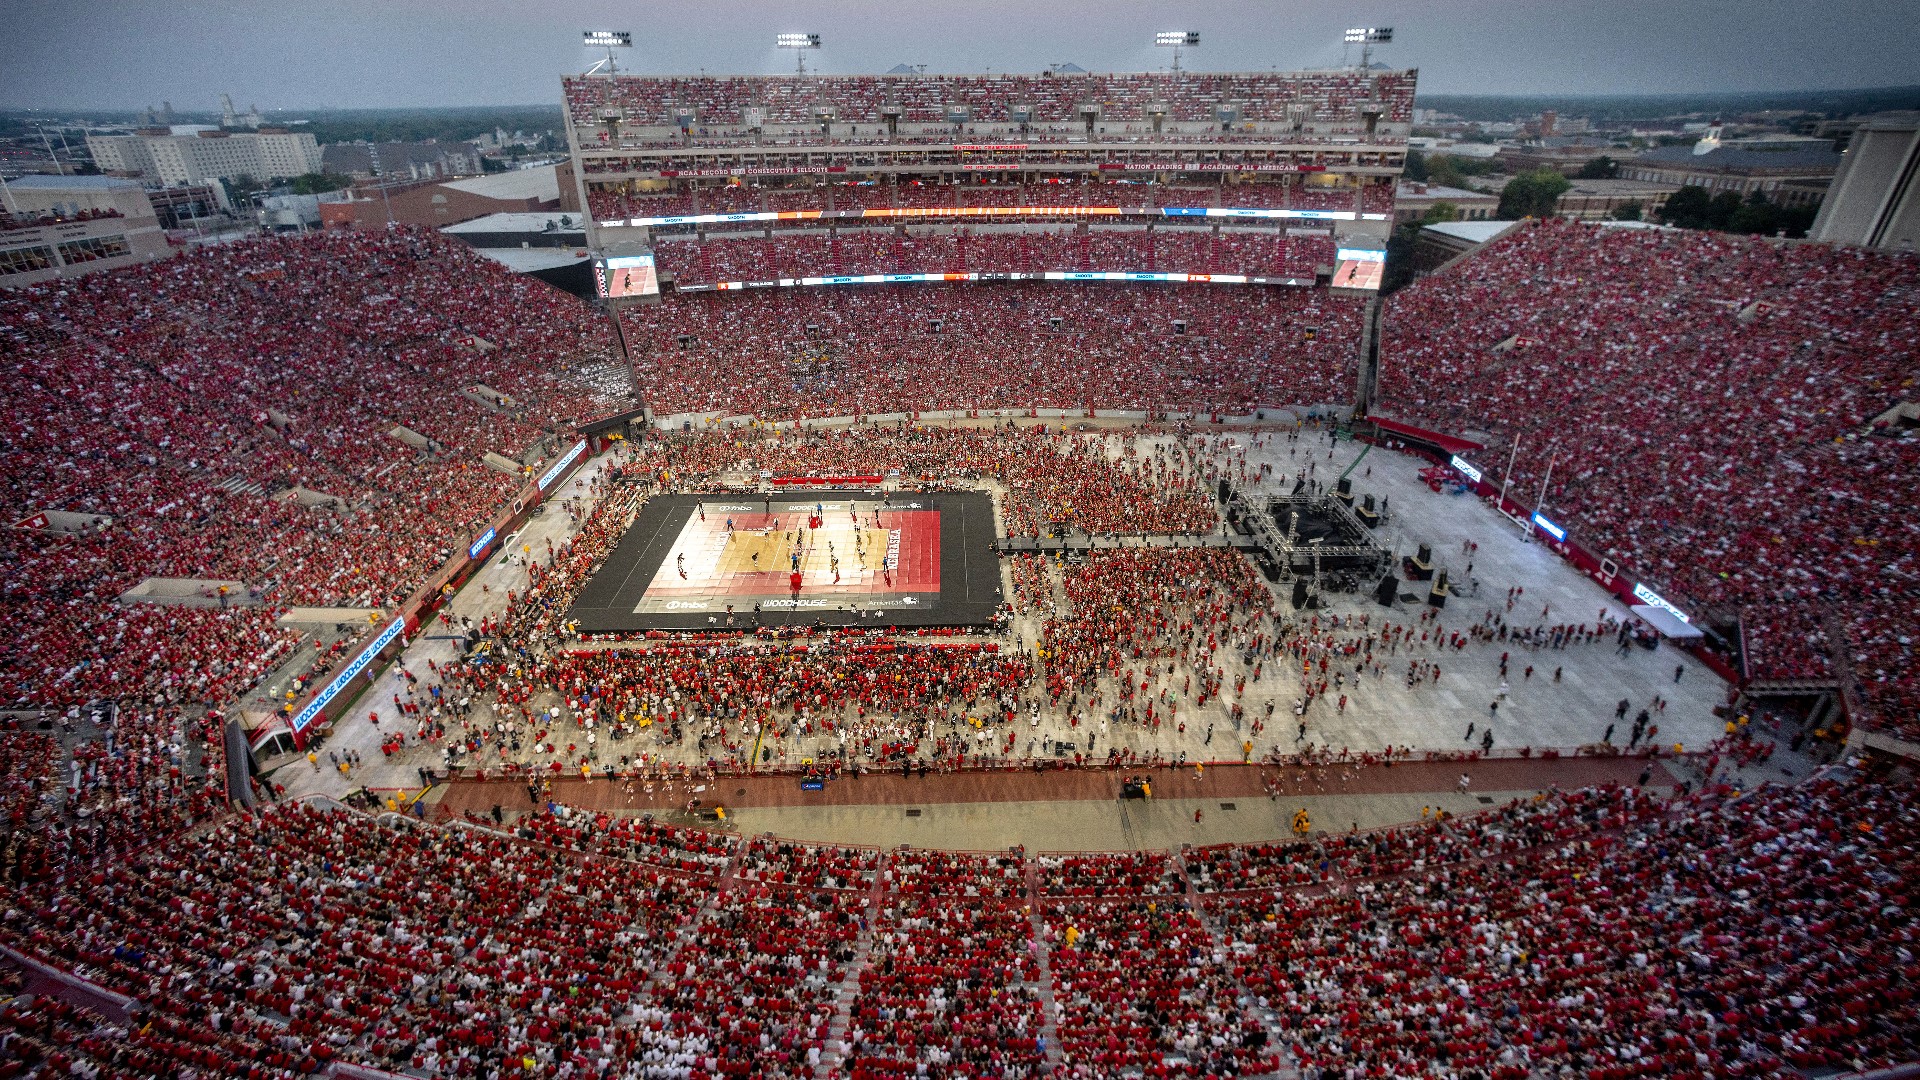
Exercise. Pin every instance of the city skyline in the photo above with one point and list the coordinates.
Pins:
(107, 54)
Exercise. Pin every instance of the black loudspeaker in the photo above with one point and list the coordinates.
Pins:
(1426, 554)
(1299, 593)
(1367, 501)
(1384, 592)
(1345, 486)
(1268, 568)
(1179, 326)
(1225, 491)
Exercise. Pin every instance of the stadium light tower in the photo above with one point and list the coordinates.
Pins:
(799, 43)
(608, 40)
(1177, 40)
(1367, 37)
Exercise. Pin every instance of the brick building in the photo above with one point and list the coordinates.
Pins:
(440, 203)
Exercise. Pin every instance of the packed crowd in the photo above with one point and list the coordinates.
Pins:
(159, 420)
(1750, 473)
(1274, 252)
(921, 347)
(278, 942)
(1703, 942)
(1186, 96)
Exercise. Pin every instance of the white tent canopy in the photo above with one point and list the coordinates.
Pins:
(1664, 621)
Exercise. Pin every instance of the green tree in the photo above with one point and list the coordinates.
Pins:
(1720, 211)
(1444, 171)
(319, 183)
(1600, 168)
(1628, 211)
(1416, 167)
(1687, 208)
(1440, 211)
(1756, 217)
(1534, 194)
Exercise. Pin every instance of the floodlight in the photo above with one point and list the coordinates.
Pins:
(1177, 40)
(799, 43)
(1369, 35)
(607, 39)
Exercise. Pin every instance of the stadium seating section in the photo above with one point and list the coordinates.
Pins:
(1268, 252)
(1189, 96)
(613, 205)
(1116, 347)
(197, 401)
(1601, 932)
(1709, 406)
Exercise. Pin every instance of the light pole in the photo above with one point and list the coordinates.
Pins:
(1366, 37)
(1177, 40)
(608, 40)
(799, 43)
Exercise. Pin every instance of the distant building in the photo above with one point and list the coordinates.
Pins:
(1413, 199)
(401, 160)
(1596, 200)
(1563, 154)
(1786, 177)
(62, 226)
(371, 204)
(1874, 200)
(1438, 245)
(160, 156)
(180, 207)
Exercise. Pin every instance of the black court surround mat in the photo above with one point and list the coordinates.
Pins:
(969, 570)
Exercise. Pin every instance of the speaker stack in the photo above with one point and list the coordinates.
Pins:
(1384, 592)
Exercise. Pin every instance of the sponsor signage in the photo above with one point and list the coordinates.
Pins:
(340, 682)
(481, 544)
(1465, 469)
(1245, 213)
(975, 276)
(566, 460)
(1550, 528)
(1653, 599)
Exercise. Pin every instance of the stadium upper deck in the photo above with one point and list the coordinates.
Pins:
(640, 136)
(1286, 101)
(1340, 119)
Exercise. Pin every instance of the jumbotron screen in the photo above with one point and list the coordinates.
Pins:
(1359, 268)
(627, 275)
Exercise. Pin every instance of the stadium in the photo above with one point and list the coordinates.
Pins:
(990, 589)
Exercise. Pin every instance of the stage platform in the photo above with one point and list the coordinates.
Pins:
(861, 558)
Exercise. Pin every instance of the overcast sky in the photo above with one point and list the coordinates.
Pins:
(299, 54)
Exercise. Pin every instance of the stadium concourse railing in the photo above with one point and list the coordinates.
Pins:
(386, 638)
(1675, 752)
